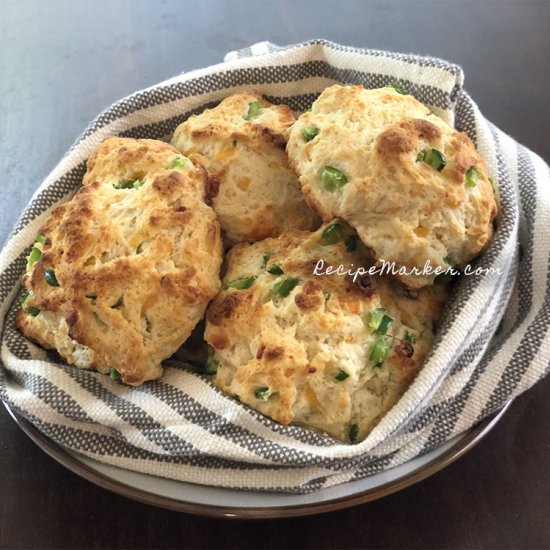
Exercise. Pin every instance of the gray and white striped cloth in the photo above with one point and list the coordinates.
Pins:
(493, 343)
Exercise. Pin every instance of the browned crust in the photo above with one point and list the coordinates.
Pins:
(219, 120)
(223, 307)
(271, 354)
(130, 308)
(364, 285)
(310, 297)
(424, 129)
(404, 137)
(394, 140)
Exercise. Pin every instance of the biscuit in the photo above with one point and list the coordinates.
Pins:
(122, 273)
(316, 350)
(413, 188)
(241, 143)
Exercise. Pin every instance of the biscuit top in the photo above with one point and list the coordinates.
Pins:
(241, 144)
(119, 160)
(303, 346)
(129, 264)
(412, 187)
(246, 117)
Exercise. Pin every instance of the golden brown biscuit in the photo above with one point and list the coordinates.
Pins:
(123, 272)
(314, 349)
(414, 189)
(241, 143)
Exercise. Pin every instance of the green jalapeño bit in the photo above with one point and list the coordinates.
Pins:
(374, 318)
(284, 287)
(385, 324)
(275, 269)
(28, 298)
(131, 184)
(30, 310)
(242, 283)
(114, 374)
(266, 258)
(211, 367)
(472, 176)
(309, 133)
(33, 257)
(379, 351)
(51, 279)
(178, 162)
(262, 393)
(398, 89)
(332, 234)
(254, 109)
(436, 159)
(432, 157)
(333, 178)
(421, 155)
(341, 376)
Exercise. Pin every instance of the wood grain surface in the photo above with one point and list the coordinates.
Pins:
(62, 62)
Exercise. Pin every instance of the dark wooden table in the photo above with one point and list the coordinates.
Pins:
(61, 62)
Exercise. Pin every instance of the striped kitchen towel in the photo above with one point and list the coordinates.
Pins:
(493, 342)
